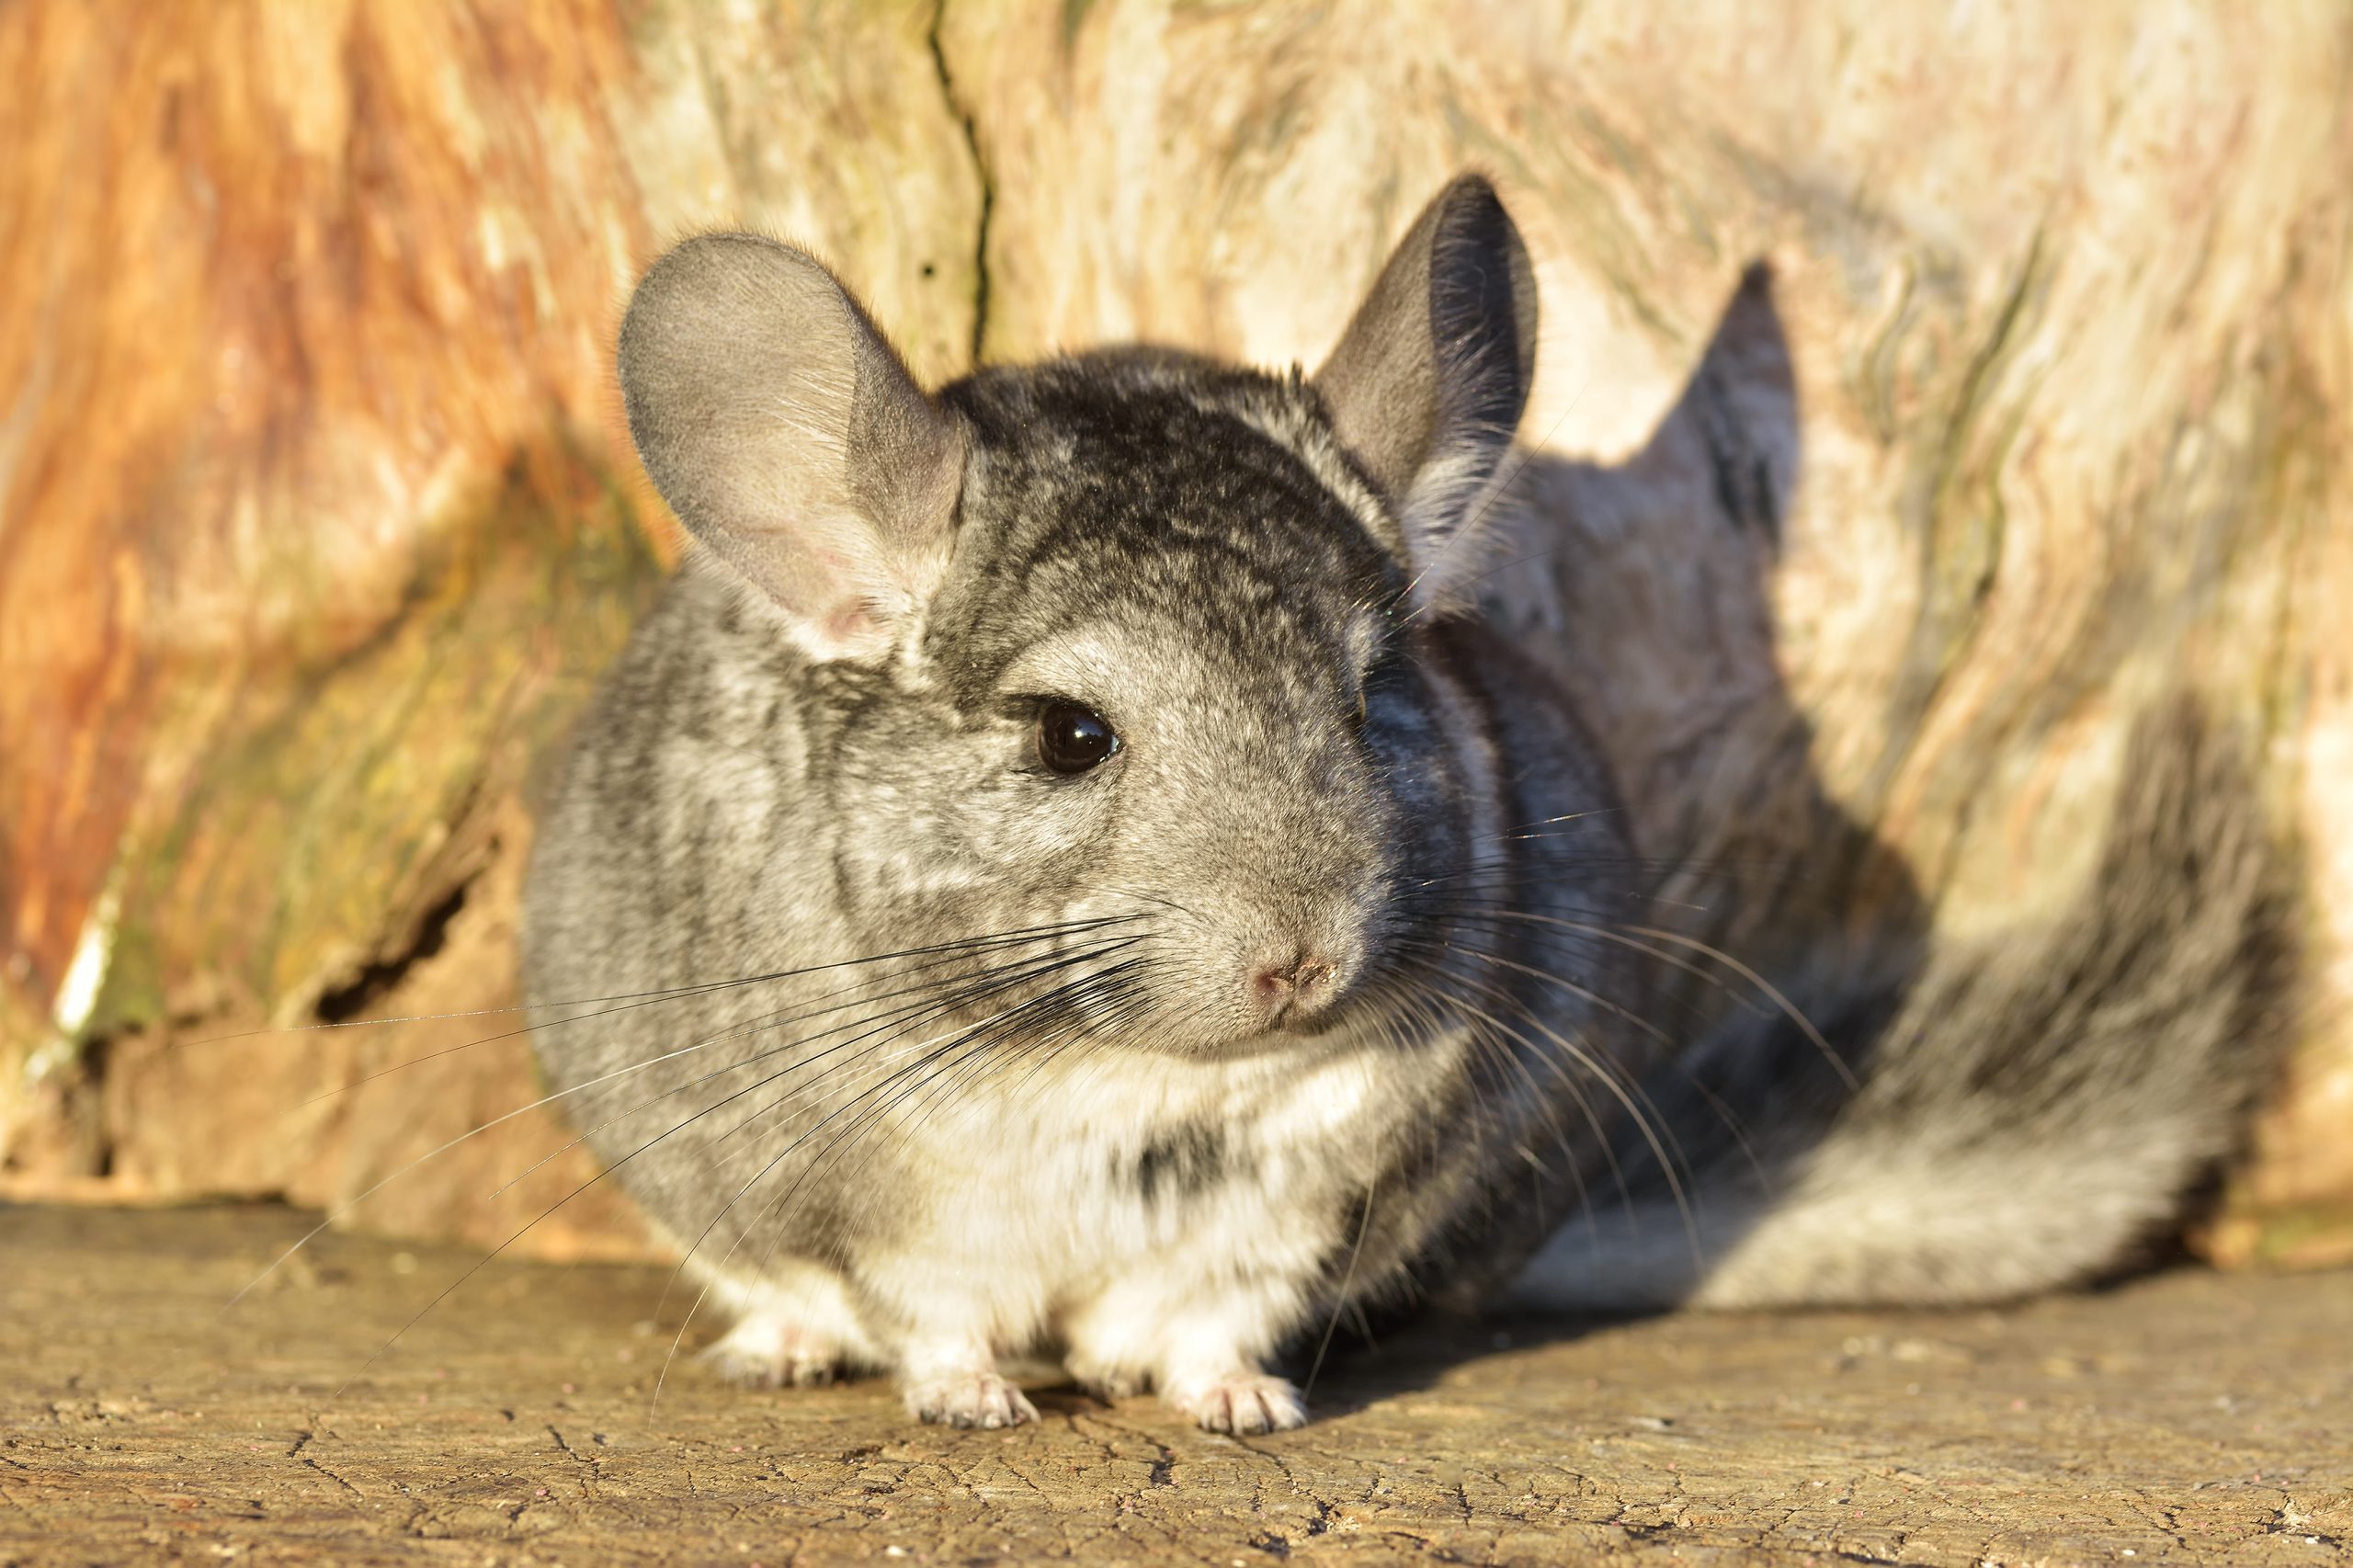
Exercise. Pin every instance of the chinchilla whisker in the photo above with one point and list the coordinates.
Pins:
(1631, 1099)
(1787, 1008)
(903, 1045)
(905, 1107)
(1457, 921)
(1486, 919)
(1674, 1162)
(1674, 1058)
(1486, 1061)
(1084, 1024)
(906, 1022)
(517, 1234)
(1563, 983)
(1508, 887)
(930, 1002)
(1529, 560)
(1059, 1009)
(1458, 948)
(1413, 990)
(1141, 895)
(349, 1205)
(1498, 1038)
(1038, 1050)
(1089, 1030)
(1462, 911)
(1518, 831)
(1468, 920)
(876, 1078)
(901, 1040)
(1504, 869)
(670, 992)
(1083, 1028)
(1128, 1008)
(1094, 1043)
(905, 1027)
(992, 985)
(1560, 1130)
(970, 1040)
(742, 1030)
(1436, 971)
(948, 953)
(1340, 1297)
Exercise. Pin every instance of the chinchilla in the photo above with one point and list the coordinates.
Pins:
(1067, 867)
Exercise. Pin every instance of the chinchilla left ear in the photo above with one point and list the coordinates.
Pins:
(1429, 383)
(789, 439)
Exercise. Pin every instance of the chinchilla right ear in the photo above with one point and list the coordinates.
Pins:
(1429, 383)
(789, 437)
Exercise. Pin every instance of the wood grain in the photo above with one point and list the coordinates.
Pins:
(1926, 391)
(320, 524)
(2191, 1418)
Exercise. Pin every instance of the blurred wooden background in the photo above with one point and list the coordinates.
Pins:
(316, 520)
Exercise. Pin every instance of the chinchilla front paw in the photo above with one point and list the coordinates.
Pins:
(1242, 1403)
(971, 1397)
(763, 1351)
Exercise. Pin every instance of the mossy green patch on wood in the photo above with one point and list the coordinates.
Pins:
(334, 793)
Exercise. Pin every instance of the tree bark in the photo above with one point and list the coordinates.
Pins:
(2033, 330)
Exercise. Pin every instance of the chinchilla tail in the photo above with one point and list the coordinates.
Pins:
(2028, 1113)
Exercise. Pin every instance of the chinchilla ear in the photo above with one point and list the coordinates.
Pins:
(1428, 384)
(789, 440)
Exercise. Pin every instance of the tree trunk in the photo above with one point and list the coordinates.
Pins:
(1926, 393)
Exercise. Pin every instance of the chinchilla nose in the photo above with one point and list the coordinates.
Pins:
(1290, 984)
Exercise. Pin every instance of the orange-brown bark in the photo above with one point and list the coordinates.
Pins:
(317, 521)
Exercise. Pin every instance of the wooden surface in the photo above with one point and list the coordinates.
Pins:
(315, 522)
(2192, 1418)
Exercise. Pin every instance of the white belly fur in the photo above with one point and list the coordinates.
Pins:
(1017, 1223)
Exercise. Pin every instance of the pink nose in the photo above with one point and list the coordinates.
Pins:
(1294, 989)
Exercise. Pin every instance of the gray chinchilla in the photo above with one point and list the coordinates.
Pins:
(1066, 866)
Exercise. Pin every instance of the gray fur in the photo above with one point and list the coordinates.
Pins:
(2032, 1112)
(816, 762)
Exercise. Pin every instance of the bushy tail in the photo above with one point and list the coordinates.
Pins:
(2030, 1111)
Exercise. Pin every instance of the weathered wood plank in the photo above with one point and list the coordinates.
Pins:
(314, 520)
(2185, 1419)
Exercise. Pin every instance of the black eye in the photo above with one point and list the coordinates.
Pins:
(1072, 739)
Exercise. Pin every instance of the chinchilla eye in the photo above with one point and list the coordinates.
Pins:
(1072, 739)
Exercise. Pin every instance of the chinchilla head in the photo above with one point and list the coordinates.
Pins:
(1130, 636)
